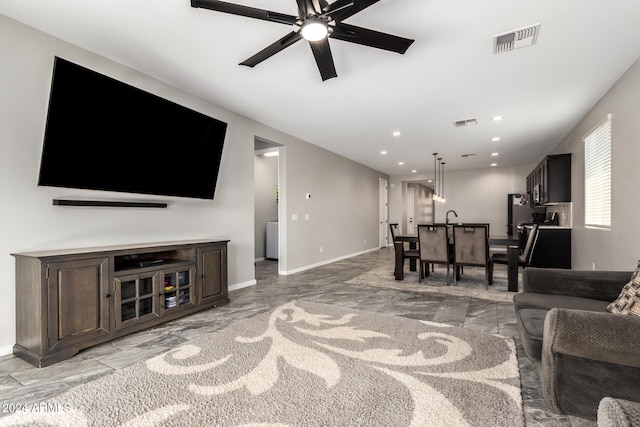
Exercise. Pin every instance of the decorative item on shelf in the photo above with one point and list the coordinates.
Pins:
(170, 302)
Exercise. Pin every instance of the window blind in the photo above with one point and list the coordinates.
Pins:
(597, 179)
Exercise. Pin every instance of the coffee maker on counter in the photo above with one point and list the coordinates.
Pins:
(552, 219)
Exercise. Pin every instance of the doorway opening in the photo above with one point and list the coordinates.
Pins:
(267, 199)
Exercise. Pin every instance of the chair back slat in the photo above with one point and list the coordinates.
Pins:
(394, 228)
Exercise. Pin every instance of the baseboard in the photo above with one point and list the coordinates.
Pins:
(5, 351)
(259, 259)
(246, 284)
(321, 263)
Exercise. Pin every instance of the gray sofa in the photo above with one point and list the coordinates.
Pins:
(583, 352)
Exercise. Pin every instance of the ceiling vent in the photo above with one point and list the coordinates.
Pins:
(515, 39)
(465, 122)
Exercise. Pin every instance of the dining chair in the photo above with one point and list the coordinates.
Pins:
(524, 258)
(400, 246)
(460, 270)
(434, 248)
(471, 247)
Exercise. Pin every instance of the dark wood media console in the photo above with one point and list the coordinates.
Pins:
(68, 300)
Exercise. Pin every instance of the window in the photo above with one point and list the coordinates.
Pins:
(597, 176)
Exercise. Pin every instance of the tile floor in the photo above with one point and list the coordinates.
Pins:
(21, 383)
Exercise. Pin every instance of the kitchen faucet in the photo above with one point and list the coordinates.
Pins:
(451, 211)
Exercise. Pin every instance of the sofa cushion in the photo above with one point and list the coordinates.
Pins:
(531, 331)
(628, 302)
(549, 301)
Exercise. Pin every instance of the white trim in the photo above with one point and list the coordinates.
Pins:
(321, 263)
(243, 285)
(260, 259)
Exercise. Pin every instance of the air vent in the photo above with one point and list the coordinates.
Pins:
(465, 122)
(467, 155)
(515, 39)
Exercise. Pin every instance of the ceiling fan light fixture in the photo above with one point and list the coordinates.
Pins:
(314, 31)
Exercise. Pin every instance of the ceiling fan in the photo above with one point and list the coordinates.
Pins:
(317, 20)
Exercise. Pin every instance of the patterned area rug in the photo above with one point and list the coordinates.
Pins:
(471, 284)
(307, 364)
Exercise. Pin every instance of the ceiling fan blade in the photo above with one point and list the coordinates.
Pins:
(371, 38)
(305, 8)
(272, 49)
(250, 12)
(342, 9)
(324, 59)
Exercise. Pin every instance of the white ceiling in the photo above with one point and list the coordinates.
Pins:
(450, 72)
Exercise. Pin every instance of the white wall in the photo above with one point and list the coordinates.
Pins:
(343, 210)
(615, 249)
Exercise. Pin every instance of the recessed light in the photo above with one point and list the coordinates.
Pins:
(396, 133)
(494, 164)
(414, 171)
(383, 152)
(401, 163)
(497, 118)
(495, 138)
(494, 154)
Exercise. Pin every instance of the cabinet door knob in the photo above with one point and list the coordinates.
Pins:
(107, 295)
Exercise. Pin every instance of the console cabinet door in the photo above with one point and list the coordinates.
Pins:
(78, 301)
(212, 269)
(136, 298)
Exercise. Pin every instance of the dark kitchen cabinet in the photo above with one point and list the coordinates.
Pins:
(550, 181)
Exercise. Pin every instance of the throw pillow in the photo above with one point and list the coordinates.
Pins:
(628, 302)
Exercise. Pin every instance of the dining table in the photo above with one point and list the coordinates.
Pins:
(511, 242)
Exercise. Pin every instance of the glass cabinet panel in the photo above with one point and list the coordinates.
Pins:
(135, 298)
(178, 288)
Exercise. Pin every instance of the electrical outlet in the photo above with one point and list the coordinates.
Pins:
(593, 266)
(321, 249)
(365, 241)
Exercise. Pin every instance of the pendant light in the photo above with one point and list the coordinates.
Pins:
(440, 179)
(442, 199)
(435, 180)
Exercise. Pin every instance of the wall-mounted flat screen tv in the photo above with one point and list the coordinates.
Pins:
(103, 134)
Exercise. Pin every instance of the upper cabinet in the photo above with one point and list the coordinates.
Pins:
(550, 181)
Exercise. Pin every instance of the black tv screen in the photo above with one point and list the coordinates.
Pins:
(103, 134)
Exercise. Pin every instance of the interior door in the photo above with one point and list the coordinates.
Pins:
(383, 215)
(411, 211)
